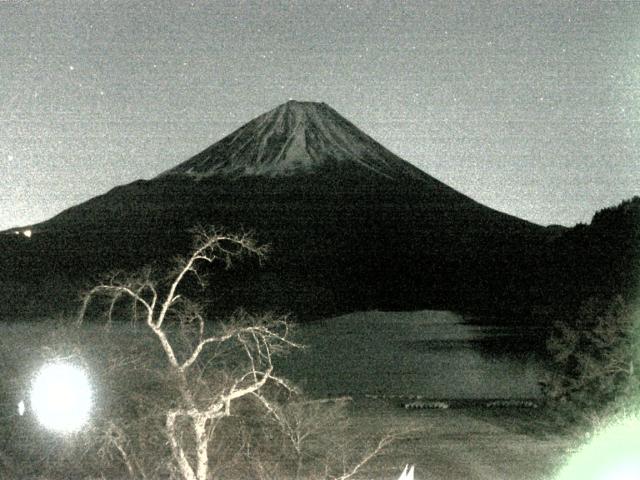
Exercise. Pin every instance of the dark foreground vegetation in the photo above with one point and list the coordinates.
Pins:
(594, 358)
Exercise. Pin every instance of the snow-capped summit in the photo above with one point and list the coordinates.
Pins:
(295, 138)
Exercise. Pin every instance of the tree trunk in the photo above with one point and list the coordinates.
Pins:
(178, 452)
(202, 457)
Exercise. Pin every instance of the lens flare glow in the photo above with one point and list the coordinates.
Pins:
(61, 397)
(614, 454)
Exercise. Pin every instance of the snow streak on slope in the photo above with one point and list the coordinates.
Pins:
(296, 138)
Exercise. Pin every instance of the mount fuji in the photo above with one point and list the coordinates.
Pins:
(351, 225)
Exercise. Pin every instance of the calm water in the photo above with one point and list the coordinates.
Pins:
(432, 354)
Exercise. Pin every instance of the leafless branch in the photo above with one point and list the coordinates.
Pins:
(382, 444)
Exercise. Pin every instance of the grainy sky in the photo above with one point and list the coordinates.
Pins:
(531, 108)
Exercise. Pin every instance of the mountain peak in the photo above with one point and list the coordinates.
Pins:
(296, 137)
(301, 106)
(291, 103)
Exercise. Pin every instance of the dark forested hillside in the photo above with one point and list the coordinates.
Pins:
(601, 259)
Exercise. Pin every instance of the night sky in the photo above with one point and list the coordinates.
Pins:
(531, 108)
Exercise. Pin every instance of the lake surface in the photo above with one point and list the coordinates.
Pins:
(431, 354)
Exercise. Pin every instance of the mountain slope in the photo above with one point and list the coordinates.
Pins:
(296, 138)
(351, 225)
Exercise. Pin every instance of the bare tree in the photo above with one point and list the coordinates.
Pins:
(202, 405)
(216, 371)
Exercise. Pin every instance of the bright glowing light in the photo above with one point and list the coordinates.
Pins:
(614, 454)
(27, 233)
(61, 397)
